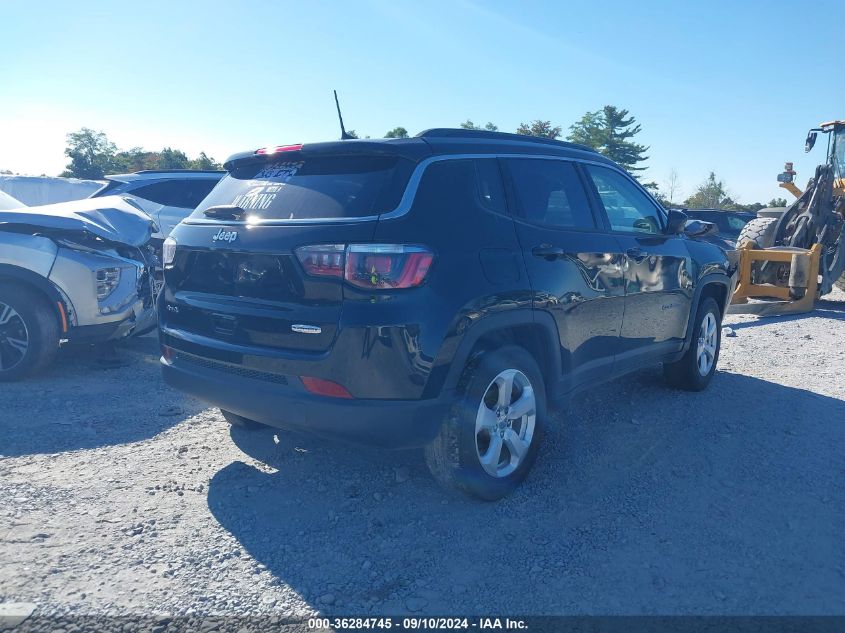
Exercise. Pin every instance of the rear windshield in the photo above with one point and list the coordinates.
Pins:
(303, 187)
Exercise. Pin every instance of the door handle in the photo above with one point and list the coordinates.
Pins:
(547, 251)
(636, 253)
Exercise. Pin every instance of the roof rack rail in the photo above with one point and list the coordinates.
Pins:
(447, 132)
(180, 171)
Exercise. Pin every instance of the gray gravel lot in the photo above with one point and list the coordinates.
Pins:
(119, 495)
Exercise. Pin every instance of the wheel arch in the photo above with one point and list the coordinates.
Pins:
(714, 285)
(55, 298)
(533, 331)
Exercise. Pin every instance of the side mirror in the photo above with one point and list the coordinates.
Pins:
(811, 140)
(677, 219)
(699, 228)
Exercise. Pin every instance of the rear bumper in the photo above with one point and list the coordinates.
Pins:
(384, 423)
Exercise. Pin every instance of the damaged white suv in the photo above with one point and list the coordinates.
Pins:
(81, 271)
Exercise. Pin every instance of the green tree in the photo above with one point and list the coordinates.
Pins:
(172, 159)
(469, 125)
(609, 131)
(91, 153)
(589, 130)
(754, 207)
(203, 161)
(136, 159)
(94, 156)
(777, 202)
(397, 132)
(351, 133)
(539, 128)
(711, 194)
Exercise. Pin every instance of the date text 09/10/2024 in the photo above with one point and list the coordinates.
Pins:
(411, 624)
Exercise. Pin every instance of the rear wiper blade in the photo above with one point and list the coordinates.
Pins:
(225, 211)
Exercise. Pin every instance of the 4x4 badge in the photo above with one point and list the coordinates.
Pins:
(225, 236)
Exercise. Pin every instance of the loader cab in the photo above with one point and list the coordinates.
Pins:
(835, 155)
(837, 147)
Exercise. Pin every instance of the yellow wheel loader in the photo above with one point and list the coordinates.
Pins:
(789, 258)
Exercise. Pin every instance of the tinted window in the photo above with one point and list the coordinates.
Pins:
(187, 193)
(549, 192)
(728, 223)
(626, 206)
(490, 188)
(313, 187)
(736, 223)
(707, 216)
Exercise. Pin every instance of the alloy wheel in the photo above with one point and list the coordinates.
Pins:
(14, 337)
(505, 423)
(708, 339)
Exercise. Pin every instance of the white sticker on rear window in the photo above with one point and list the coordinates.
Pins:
(280, 172)
(260, 197)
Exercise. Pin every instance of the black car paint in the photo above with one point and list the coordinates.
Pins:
(598, 306)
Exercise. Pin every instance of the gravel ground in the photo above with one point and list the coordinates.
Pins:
(121, 496)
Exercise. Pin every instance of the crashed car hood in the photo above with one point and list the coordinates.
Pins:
(111, 218)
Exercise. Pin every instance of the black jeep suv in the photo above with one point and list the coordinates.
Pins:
(437, 291)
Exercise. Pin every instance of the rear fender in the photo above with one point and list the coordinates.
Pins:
(472, 334)
(720, 279)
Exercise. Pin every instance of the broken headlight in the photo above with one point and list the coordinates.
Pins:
(107, 281)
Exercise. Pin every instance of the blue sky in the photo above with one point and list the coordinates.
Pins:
(724, 86)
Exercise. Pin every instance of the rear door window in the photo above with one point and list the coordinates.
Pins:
(550, 193)
(302, 187)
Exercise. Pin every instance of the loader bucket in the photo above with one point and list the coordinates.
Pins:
(771, 300)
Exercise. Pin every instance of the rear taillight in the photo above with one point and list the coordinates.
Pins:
(322, 260)
(386, 265)
(368, 266)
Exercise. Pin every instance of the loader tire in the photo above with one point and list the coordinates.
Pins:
(760, 232)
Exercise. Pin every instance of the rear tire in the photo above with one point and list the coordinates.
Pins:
(760, 232)
(697, 366)
(241, 422)
(29, 332)
(492, 434)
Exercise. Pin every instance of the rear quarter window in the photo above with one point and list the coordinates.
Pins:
(454, 186)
